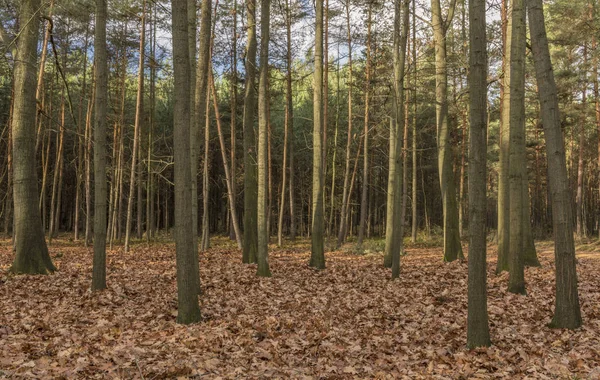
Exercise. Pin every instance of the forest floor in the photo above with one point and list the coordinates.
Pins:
(348, 321)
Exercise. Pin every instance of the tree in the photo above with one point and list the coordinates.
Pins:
(32, 255)
(100, 184)
(396, 230)
(516, 172)
(263, 136)
(478, 331)
(139, 105)
(317, 257)
(567, 312)
(187, 281)
(250, 245)
(452, 246)
(201, 104)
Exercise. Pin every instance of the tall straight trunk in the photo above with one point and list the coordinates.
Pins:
(194, 131)
(597, 112)
(201, 106)
(31, 249)
(100, 186)
(233, 112)
(136, 128)
(517, 158)
(580, 167)
(414, 223)
(80, 143)
(263, 137)
(394, 244)
(88, 171)
(503, 194)
(121, 170)
(478, 331)
(567, 313)
(335, 138)
(289, 121)
(343, 228)
(205, 239)
(317, 257)
(150, 182)
(228, 178)
(325, 94)
(452, 245)
(250, 169)
(187, 273)
(365, 181)
(57, 173)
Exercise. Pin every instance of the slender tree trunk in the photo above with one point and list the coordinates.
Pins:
(365, 180)
(187, 273)
(100, 186)
(597, 112)
(233, 112)
(478, 332)
(202, 108)
(414, 131)
(342, 231)
(226, 166)
(394, 244)
(80, 143)
(452, 245)
(317, 258)
(31, 249)
(335, 138)
(289, 121)
(263, 123)
(567, 313)
(8, 219)
(136, 128)
(580, 166)
(88, 171)
(250, 169)
(39, 95)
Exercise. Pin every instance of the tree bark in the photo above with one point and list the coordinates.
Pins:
(567, 312)
(187, 275)
(31, 250)
(100, 185)
(478, 332)
(452, 245)
(317, 257)
(250, 169)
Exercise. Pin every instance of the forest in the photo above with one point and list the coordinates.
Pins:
(299, 189)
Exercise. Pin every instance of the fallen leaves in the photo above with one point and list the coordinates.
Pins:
(349, 321)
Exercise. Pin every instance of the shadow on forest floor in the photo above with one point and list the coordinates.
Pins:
(348, 321)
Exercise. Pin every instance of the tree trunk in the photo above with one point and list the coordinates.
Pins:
(101, 80)
(414, 131)
(317, 257)
(342, 231)
(31, 250)
(365, 181)
(187, 273)
(136, 128)
(233, 112)
(228, 177)
(478, 332)
(517, 158)
(263, 123)
(289, 122)
(250, 169)
(452, 246)
(567, 313)
(397, 229)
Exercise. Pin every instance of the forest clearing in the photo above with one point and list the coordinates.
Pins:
(349, 321)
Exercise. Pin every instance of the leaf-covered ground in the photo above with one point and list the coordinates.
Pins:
(349, 321)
